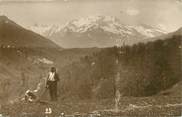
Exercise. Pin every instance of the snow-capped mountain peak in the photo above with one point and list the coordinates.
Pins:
(82, 25)
(96, 28)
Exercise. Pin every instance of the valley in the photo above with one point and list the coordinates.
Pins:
(149, 75)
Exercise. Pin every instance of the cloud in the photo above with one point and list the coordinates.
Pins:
(180, 1)
(130, 12)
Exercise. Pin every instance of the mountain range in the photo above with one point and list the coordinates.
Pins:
(96, 31)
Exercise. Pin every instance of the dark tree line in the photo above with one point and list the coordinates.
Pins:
(145, 69)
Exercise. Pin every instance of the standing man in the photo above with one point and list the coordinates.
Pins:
(51, 83)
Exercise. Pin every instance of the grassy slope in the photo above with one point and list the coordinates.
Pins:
(16, 61)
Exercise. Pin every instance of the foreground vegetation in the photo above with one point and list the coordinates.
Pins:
(129, 106)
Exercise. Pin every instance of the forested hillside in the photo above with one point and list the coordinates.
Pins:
(145, 70)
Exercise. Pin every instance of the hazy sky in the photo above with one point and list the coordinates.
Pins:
(165, 13)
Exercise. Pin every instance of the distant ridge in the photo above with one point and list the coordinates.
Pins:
(12, 34)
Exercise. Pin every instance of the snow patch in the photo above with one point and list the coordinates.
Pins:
(44, 60)
(37, 60)
(143, 31)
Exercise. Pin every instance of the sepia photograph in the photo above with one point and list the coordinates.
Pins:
(90, 58)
